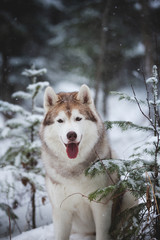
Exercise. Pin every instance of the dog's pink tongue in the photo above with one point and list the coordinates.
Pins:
(72, 150)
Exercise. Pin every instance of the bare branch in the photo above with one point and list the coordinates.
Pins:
(139, 106)
(147, 91)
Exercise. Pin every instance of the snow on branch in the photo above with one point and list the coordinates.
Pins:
(38, 85)
(22, 95)
(34, 72)
(154, 78)
(8, 107)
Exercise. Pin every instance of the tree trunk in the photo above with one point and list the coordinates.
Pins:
(4, 78)
(33, 192)
(103, 42)
(105, 94)
(147, 38)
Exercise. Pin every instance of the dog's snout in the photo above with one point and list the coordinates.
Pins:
(71, 136)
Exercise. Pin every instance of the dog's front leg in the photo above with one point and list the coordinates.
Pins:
(102, 218)
(62, 223)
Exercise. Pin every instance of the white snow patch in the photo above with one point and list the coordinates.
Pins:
(47, 233)
(56, 3)
(152, 80)
(42, 233)
(66, 87)
(9, 107)
(21, 94)
(155, 4)
(138, 6)
(34, 72)
(137, 50)
(34, 86)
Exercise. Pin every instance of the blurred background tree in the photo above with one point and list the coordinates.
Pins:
(99, 42)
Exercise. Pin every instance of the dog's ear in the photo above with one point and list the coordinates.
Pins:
(50, 98)
(84, 95)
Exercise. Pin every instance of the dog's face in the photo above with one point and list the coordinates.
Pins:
(70, 124)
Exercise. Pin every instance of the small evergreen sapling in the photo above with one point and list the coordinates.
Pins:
(22, 156)
(139, 174)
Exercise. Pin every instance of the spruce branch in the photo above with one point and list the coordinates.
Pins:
(23, 150)
(126, 125)
(124, 96)
(133, 172)
(109, 175)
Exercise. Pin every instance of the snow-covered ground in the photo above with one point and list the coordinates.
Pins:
(46, 233)
(122, 142)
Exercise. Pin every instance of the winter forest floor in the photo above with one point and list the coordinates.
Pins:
(122, 142)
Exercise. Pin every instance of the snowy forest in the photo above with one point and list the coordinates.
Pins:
(112, 46)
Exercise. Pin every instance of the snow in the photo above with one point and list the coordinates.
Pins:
(8, 107)
(21, 94)
(152, 80)
(55, 3)
(11, 176)
(138, 6)
(122, 142)
(5, 132)
(16, 122)
(34, 72)
(34, 86)
(137, 50)
(43, 233)
(66, 87)
(71, 82)
(90, 13)
(60, 33)
(158, 102)
(155, 4)
(39, 110)
(34, 118)
(35, 144)
(46, 233)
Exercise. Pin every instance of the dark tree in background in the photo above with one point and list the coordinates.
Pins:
(103, 41)
(24, 31)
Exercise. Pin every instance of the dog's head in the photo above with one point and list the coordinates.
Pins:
(70, 124)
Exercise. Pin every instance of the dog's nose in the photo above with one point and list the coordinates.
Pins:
(72, 136)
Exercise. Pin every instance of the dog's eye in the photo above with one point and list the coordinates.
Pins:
(60, 120)
(78, 119)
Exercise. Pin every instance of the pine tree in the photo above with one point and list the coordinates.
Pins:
(139, 174)
(22, 156)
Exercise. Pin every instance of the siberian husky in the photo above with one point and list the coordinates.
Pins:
(73, 138)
